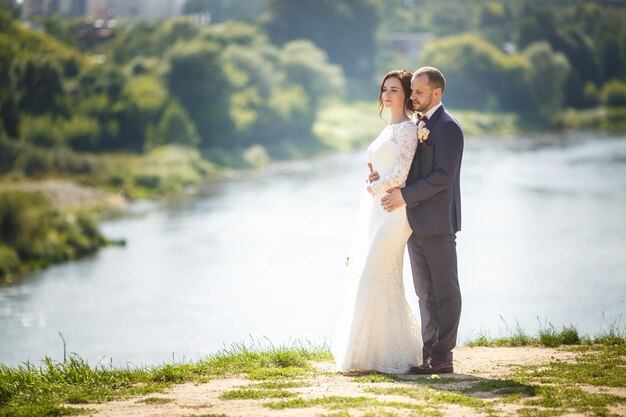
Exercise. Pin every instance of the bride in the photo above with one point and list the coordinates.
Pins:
(377, 330)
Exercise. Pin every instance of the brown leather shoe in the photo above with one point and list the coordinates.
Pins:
(429, 367)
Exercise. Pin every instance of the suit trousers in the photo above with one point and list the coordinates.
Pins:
(435, 276)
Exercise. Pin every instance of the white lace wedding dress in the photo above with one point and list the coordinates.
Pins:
(377, 330)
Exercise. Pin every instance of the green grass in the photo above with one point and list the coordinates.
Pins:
(430, 395)
(350, 125)
(34, 234)
(272, 384)
(208, 415)
(163, 171)
(501, 387)
(276, 373)
(421, 380)
(563, 397)
(156, 400)
(538, 412)
(611, 119)
(255, 394)
(269, 389)
(41, 410)
(598, 365)
(332, 402)
(40, 390)
(541, 390)
(346, 403)
(344, 126)
(549, 336)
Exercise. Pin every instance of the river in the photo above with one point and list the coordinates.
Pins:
(259, 258)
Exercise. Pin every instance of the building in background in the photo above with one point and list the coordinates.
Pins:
(145, 10)
(46, 8)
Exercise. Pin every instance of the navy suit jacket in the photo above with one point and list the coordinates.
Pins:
(433, 192)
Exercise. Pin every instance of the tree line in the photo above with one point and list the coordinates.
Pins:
(173, 82)
(262, 78)
(532, 57)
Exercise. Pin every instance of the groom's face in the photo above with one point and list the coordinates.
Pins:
(422, 95)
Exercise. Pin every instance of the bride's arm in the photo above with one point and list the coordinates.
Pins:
(406, 141)
(447, 162)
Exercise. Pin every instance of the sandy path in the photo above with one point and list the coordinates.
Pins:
(189, 399)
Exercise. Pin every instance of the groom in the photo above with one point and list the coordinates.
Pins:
(433, 204)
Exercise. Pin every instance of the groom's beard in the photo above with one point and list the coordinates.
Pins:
(425, 106)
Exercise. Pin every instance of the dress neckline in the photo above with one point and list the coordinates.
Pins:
(398, 124)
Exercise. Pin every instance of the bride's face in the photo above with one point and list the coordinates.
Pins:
(392, 94)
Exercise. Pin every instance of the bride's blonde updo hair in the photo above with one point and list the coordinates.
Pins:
(405, 79)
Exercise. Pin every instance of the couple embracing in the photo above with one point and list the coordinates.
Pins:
(412, 200)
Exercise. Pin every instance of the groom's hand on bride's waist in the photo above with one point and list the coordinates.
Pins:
(392, 200)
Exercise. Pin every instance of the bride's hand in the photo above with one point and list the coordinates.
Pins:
(373, 174)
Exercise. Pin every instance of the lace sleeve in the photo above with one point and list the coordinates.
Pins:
(405, 137)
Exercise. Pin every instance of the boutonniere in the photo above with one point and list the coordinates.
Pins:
(422, 135)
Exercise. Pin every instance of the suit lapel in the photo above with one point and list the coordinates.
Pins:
(431, 122)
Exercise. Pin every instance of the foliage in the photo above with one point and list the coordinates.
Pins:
(33, 233)
(589, 34)
(548, 72)
(478, 75)
(227, 87)
(343, 28)
(196, 78)
(614, 93)
(10, 7)
(163, 170)
(348, 126)
(175, 127)
(308, 66)
(39, 82)
(172, 82)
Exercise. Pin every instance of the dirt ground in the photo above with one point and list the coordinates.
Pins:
(203, 399)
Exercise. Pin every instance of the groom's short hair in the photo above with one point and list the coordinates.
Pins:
(435, 77)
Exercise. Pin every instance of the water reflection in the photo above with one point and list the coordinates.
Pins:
(262, 255)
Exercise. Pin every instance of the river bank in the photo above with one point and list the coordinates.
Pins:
(30, 240)
(102, 185)
(574, 380)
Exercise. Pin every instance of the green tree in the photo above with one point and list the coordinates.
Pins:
(10, 7)
(343, 28)
(195, 77)
(572, 41)
(547, 76)
(9, 117)
(148, 95)
(39, 81)
(253, 76)
(308, 66)
(145, 39)
(478, 75)
(175, 127)
(614, 93)
(104, 79)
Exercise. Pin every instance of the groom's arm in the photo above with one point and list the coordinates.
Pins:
(447, 160)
